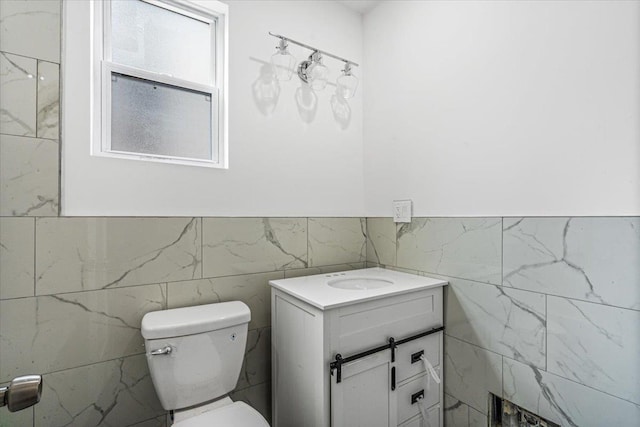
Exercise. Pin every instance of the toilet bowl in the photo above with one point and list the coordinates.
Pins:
(195, 355)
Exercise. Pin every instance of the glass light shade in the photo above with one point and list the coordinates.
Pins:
(283, 64)
(347, 85)
(318, 75)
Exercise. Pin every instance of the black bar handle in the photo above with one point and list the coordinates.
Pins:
(392, 344)
(420, 335)
(393, 378)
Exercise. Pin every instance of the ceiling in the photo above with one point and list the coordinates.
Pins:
(360, 6)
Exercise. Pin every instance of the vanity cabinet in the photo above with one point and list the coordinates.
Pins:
(310, 328)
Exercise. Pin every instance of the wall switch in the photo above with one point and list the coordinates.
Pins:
(402, 211)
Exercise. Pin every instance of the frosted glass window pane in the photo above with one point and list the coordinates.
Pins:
(159, 40)
(154, 118)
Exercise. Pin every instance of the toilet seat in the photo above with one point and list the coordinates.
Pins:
(237, 414)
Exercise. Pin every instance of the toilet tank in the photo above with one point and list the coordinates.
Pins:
(195, 353)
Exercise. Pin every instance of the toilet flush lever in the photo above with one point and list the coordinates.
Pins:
(165, 350)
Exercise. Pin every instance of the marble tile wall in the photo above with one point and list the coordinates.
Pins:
(542, 311)
(73, 290)
(29, 107)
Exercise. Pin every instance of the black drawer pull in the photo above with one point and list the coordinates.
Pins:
(393, 378)
(415, 357)
(417, 396)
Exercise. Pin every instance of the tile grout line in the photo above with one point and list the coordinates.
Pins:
(201, 249)
(35, 251)
(29, 57)
(546, 333)
(308, 238)
(576, 382)
(424, 272)
(176, 281)
(502, 251)
(85, 365)
(60, 114)
(30, 137)
(37, 82)
(502, 374)
(502, 285)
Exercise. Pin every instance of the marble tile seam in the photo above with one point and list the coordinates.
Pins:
(153, 283)
(168, 283)
(308, 244)
(511, 287)
(477, 346)
(201, 224)
(566, 379)
(546, 337)
(265, 272)
(577, 299)
(35, 242)
(89, 364)
(502, 252)
(83, 291)
(582, 301)
(56, 140)
(511, 216)
(29, 57)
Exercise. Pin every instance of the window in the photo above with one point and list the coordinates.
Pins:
(162, 81)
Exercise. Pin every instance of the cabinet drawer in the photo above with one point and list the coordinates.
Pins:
(362, 326)
(434, 419)
(406, 409)
(429, 345)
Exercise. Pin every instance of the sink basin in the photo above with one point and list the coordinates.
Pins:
(359, 283)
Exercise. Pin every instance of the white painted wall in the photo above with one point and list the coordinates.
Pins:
(503, 108)
(280, 163)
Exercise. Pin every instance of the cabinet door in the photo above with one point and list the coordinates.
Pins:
(363, 397)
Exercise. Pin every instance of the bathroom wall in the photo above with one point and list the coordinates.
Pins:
(73, 290)
(542, 311)
(292, 153)
(514, 127)
(494, 108)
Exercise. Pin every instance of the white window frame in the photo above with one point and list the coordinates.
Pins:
(211, 12)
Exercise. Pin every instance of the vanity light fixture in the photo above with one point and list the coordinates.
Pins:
(347, 83)
(283, 61)
(312, 71)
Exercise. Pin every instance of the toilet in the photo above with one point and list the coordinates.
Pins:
(195, 355)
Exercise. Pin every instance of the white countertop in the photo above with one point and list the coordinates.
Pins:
(316, 291)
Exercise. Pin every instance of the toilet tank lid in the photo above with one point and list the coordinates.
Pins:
(178, 322)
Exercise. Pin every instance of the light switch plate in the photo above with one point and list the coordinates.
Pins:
(402, 211)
